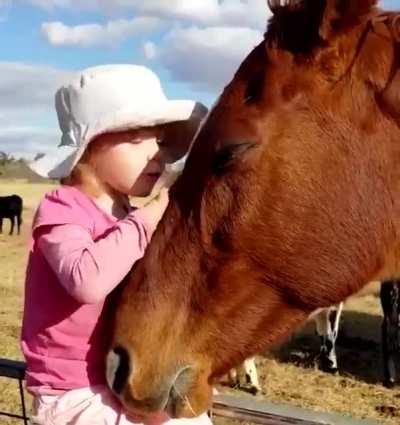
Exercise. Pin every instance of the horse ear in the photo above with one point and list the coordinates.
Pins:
(389, 98)
(301, 25)
(295, 24)
(342, 14)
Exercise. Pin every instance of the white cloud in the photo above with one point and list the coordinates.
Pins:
(149, 50)
(208, 39)
(27, 118)
(51, 4)
(240, 13)
(27, 141)
(206, 57)
(205, 42)
(28, 86)
(88, 35)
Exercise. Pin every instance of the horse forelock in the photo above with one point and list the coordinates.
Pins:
(303, 25)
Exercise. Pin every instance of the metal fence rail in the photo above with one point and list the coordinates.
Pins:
(262, 412)
(238, 408)
(15, 370)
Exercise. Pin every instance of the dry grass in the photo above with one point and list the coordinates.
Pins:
(288, 375)
(13, 254)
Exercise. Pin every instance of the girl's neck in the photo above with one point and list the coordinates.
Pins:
(110, 201)
(116, 205)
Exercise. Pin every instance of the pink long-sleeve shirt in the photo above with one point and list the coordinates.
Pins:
(79, 254)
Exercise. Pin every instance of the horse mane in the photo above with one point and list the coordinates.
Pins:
(342, 7)
(301, 26)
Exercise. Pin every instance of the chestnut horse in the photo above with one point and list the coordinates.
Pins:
(289, 202)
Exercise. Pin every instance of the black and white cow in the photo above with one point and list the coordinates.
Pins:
(327, 323)
(11, 208)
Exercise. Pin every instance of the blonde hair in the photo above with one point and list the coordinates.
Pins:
(84, 175)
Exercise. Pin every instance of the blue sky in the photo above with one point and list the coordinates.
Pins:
(28, 44)
(193, 45)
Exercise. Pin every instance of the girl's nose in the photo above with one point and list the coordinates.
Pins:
(162, 156)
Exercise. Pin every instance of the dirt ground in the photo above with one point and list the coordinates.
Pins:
(288, 375)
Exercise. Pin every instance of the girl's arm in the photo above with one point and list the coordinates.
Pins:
(89, 270)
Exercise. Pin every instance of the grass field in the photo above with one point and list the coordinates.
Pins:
(13, 254)
(287, 375)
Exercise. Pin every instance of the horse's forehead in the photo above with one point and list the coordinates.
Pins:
(283, 75)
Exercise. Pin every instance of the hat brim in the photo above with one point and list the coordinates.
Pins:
(58, 164)
(184, 117)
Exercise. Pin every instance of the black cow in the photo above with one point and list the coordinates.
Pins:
(11, 207)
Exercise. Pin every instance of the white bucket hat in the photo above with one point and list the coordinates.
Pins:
(112, 98)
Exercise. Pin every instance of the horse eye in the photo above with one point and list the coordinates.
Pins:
(254, 88)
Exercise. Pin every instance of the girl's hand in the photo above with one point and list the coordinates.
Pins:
(154, 209)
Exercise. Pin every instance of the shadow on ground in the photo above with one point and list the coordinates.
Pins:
(358, 347)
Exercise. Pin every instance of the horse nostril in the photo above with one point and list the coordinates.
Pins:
(117, 368)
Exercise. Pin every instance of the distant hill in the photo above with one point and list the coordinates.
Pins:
(18, 169)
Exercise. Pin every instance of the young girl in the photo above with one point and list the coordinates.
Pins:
(115, 123)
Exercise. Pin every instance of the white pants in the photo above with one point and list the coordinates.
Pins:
(94, 406)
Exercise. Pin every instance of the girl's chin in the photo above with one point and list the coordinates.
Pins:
(152, 178)
(141, 192)
(145, 186)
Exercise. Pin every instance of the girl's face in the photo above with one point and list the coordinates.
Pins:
(130, 162)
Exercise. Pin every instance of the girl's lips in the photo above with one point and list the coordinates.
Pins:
(153, 175)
